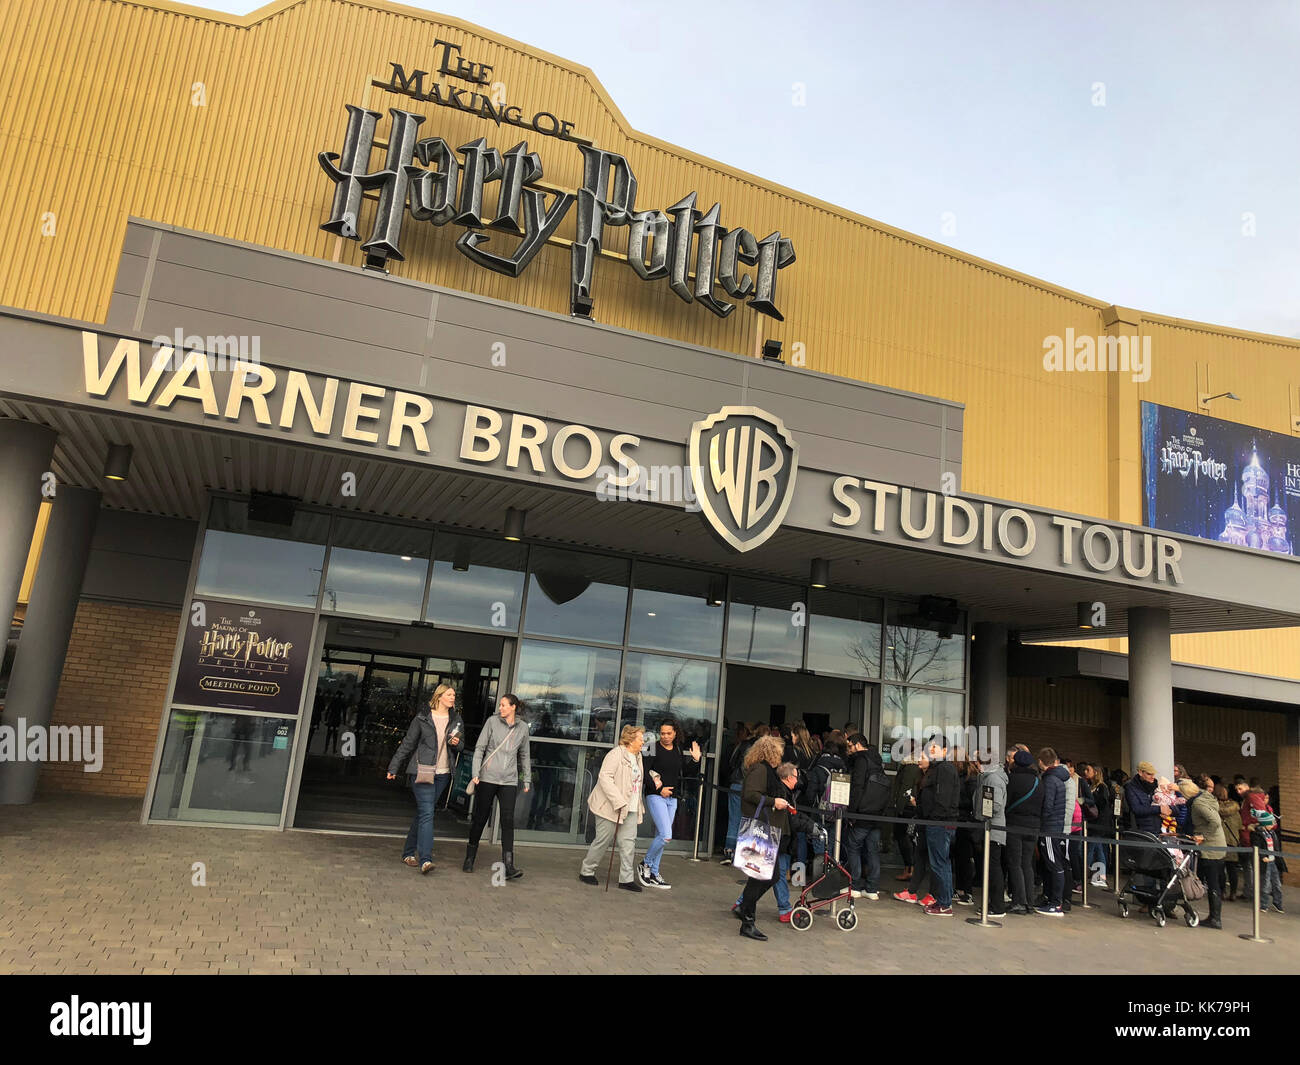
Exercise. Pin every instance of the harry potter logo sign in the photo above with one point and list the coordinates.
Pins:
(432, 182)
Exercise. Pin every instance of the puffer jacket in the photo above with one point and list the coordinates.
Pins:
(1053, 789)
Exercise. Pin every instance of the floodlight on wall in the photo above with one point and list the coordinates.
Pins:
(118, 463)
(1085, 615)
(820, 576)
(1207, 399)
(772, 350)
(514, 529)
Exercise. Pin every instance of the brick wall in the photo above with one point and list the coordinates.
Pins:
(115, 675)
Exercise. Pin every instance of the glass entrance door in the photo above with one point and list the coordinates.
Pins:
(363, 706)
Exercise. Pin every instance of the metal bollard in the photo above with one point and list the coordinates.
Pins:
(983, 919)
(699, 809)
(1256, 937)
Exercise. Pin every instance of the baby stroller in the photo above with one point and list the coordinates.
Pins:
(1156, 877)
(834, 886)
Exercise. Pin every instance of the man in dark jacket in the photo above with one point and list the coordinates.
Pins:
(868, 794)
(906, 782)
(831, 760)
(1024, 821)
(1053, 822)
(940, 798)
(1138, 793)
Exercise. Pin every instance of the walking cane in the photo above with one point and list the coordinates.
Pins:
(613, 846)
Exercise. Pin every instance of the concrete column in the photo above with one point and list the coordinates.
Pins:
(988, 693)
(25, 453)
(1150, 690)
(38, 665)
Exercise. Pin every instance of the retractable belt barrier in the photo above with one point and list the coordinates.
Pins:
(842, 814)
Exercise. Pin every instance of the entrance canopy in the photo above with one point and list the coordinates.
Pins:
(346, 389)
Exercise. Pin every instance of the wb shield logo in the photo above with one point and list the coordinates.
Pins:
(743, 463)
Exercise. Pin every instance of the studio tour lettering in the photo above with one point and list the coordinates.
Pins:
(690, 249)
(951, 521)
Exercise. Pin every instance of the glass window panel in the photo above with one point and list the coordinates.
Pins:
(844, 634)
(223, 767)
(911, 713)
(924, 652)
(259, 562)
(377, 569)
(761, 626)
(478, 582)
(656, 687)
(670, 611)
(577, 595)
(570, 692)
(555, 810)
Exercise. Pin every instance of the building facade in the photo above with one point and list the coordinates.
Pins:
(395, 394)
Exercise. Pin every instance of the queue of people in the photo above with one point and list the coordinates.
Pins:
(1035, 803)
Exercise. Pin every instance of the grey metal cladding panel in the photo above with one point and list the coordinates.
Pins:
(147, 534)
(131, 270)
(290, 347)
(135, 578)
(349, 284)
(586, 404)
(216, 296)
(847, 395)
(643, 385)
(138, 239)
(504, 323)
(803, 417)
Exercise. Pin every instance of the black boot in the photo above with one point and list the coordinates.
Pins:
(1216, 911)
(750, 930)
(471, 849)
(511, 872)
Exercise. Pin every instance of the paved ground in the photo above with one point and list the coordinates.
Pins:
(85, 888)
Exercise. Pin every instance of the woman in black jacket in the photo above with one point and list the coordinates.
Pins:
(1102, 828)
(431, 743)
(1024, 817)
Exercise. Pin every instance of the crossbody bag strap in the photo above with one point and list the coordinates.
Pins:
(1023, 797)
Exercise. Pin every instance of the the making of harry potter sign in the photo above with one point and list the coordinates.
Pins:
(425, 177)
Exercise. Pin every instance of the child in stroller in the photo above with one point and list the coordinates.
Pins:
(1157, 876)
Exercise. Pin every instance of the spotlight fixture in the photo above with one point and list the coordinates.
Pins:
(514, 530)
(1083, 613)
(1206, 400)
(460, 557)
(118, 463)
(772, 350)
(1051, 682)
(717, 591)
(820, 576)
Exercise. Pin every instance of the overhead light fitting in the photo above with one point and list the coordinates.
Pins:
(460, 557)
(118, 463)
(1083, 614)
(820, 576)
(514, 529)
(717, 591)
(772, 350)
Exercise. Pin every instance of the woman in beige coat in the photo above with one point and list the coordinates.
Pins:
(618, 802)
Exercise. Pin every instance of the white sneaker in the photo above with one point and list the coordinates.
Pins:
(856, 893)
(1100, 882)
(658, 881)
(871, 895)
(644, 875)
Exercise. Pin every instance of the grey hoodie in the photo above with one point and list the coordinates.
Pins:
(510, 765)
(996, 778)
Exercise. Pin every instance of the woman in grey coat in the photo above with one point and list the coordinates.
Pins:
(993, 774)
(501, 765)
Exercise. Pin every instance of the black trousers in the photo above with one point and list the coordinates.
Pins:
(756, 889)
(1020, 863)
(504, 794)
(1211, 871)
(920, 866)
(904, 842)
(964, 850)
(1232, 869)
(997, 886)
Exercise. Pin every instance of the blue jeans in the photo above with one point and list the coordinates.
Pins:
(938, 840)
(421, 831)
(781, 889)
(1270, 883)
(863, 841)
(662, 811)
(1097, 855)
(733, 814)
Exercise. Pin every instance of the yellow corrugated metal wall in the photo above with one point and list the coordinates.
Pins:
(213, 123)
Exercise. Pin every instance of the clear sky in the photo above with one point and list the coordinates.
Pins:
(1144, 152)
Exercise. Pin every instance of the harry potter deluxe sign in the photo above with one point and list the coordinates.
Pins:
(509, 213)
(244, 658)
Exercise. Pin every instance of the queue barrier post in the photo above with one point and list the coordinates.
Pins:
(699, 808)
(983, 919)
(1255, 937)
